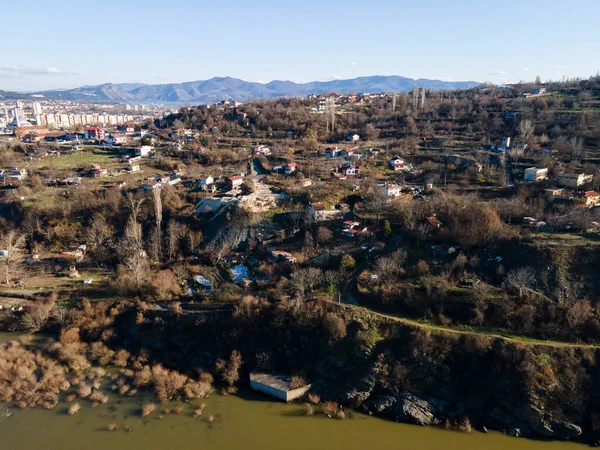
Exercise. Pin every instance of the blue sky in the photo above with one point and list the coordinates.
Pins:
(64, 43)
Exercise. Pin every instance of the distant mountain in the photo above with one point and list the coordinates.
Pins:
(217, 89)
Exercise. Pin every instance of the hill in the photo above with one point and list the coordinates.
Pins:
(217, 89)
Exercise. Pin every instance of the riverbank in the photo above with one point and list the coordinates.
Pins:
(247, 421)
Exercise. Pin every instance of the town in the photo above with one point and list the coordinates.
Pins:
(472, 214)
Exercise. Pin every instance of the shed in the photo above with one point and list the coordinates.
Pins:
(278, 386)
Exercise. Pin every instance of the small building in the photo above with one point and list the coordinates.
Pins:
(349, 224)
(348, 153)
(397, 164)
(506, 142)
(590, 198)
(234, 182)
(262, 150)
(333, 152)
(390, 190)
(573, 180)
(278, 386)
(290, 168)
(554, 192)
(279, 255)
(350, 170)
(143, 151)
(205, 181)
(536, 174)
(319, 212)
(17, 174)
(353, 137)
(305, 182)
(98, 171)
(115, 139)
(133, 168)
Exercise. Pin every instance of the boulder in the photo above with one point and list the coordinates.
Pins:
(412, 409)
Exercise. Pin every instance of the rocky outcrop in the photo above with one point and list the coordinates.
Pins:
(412, 409)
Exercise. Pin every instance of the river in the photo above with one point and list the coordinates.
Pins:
(246, 422)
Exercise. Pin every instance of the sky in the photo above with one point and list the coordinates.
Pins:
(65, 44)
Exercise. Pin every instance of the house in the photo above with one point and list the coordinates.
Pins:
(351, 232)
(290, 168)
(94, 133)
(349, 224)
(573, 180)
(133, 168)
(234, 182)
(536, 174)
(278, 255)
(205, 181)
(143, 151)
(115, 139)
(305, 182)
(333, 152)
(126, 129)
(262, 150)
(390, 190)
(350, 169)
(98, 171)
(590, 198)
(319, 212)
(347, 153)
(397, 164)
(553, 192)
(278, 386)
(353, 137)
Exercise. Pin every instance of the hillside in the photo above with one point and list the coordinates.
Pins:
(217, 89)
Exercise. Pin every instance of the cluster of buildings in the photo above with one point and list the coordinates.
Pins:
(571, 181)
(67, 115)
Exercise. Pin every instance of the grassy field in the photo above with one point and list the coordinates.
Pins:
(76, 160)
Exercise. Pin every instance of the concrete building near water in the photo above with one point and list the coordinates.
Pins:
(278, 386)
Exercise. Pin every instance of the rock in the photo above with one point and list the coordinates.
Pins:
(515, 432)
(412, 409)
(566, 430)
(382, 404)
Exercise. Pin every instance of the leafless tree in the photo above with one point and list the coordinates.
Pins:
(97, 233)
(306, 279)
(525, 130)
(521, 278)
(175, 232)
(13, 243)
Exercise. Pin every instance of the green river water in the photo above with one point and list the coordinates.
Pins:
(246, 422)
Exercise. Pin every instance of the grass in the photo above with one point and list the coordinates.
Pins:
(74, 160)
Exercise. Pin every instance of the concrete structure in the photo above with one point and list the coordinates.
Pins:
(278, 386)
(590, 198)
(573, 180)
(143, 151)
(234, 182)
(353, 137)
(536, 174)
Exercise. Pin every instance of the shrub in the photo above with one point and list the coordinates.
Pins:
(74, 409)
(147, 409)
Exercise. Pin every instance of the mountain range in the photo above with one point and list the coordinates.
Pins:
(228, 88)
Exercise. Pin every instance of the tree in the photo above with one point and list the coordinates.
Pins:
(525, 130)
(521, 278)
(324, 235)
(97, 234)
(175, 232)
(347, 263)
(13, 243)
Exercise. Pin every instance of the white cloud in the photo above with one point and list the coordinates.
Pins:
(525, 69)
(498, 72)
(21, 71)
(560, 66)
(354, 64)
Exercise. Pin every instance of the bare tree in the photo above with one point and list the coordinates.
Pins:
(97, 233)
(175, 232)
(156, 195)
(521, 278)
(525, 129)
(13, 243)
